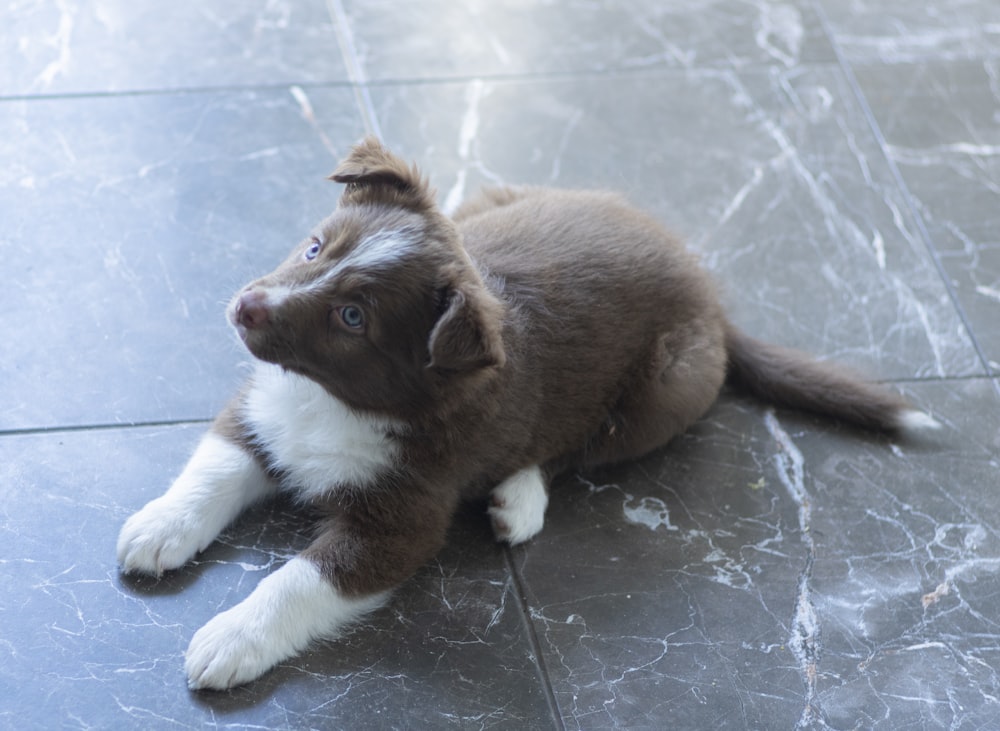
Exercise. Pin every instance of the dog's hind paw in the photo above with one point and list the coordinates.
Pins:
(517, 506)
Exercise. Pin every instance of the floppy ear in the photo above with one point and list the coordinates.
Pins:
(373, 174)
(467, 336)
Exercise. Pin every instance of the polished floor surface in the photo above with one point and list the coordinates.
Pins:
(837, 164)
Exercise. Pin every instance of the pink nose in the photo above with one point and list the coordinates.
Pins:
(252, 310)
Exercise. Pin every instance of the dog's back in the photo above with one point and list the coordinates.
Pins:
(605, 309)
(629, 343)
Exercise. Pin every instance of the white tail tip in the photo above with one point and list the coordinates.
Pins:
(912, 420)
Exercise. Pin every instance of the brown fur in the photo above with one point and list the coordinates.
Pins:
(538, 327)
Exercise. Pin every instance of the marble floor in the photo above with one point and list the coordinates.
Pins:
(836, 163)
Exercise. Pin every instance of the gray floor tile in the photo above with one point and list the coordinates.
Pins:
(59, 48)
(129, 222)
(766, 570)
(82, 645)
(940, 123)
(775, 178)
(445, 39)
(894, 31)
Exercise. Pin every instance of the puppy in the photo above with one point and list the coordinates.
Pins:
(407, 361)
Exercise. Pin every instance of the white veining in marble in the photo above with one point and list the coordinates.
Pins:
(467, 133)
(804, 640)
(835, 164)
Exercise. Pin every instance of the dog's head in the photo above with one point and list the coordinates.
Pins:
(380, 304)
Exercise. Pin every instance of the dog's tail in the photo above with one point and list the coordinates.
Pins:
(792, 379)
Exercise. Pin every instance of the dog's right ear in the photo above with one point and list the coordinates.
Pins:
(375, 175)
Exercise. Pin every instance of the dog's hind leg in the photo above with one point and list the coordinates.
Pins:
(675, 386)
(517, 506)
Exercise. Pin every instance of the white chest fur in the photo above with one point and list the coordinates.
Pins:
(316, 441)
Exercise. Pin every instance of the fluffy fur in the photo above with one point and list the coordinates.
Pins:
(409, 360)
(315, 442)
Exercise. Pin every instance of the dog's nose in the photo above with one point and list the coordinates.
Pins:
(252, 310)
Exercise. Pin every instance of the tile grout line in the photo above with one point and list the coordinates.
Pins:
(533, 641)
(171, 91)
(355, 70)
(908, 196)
(361, 84)
(109, 426)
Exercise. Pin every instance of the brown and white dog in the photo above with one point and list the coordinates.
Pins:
(408, 361)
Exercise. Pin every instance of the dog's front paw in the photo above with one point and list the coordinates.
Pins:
(517, 506)
(229, 651)
(158, 538)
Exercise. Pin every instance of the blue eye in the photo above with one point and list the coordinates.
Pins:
(352, 317)
(313, 251)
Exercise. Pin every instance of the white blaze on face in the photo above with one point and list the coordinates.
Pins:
(376, 252)
(379, 251)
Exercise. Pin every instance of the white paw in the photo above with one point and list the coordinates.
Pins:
(219, 481)
(231, 649)
(158, 538)
(517, 507)
(289, 609)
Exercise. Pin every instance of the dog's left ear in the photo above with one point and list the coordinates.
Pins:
(373, 175)
(468, 336)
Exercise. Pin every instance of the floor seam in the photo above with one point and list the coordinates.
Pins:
(534, 642)
(109, 426)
